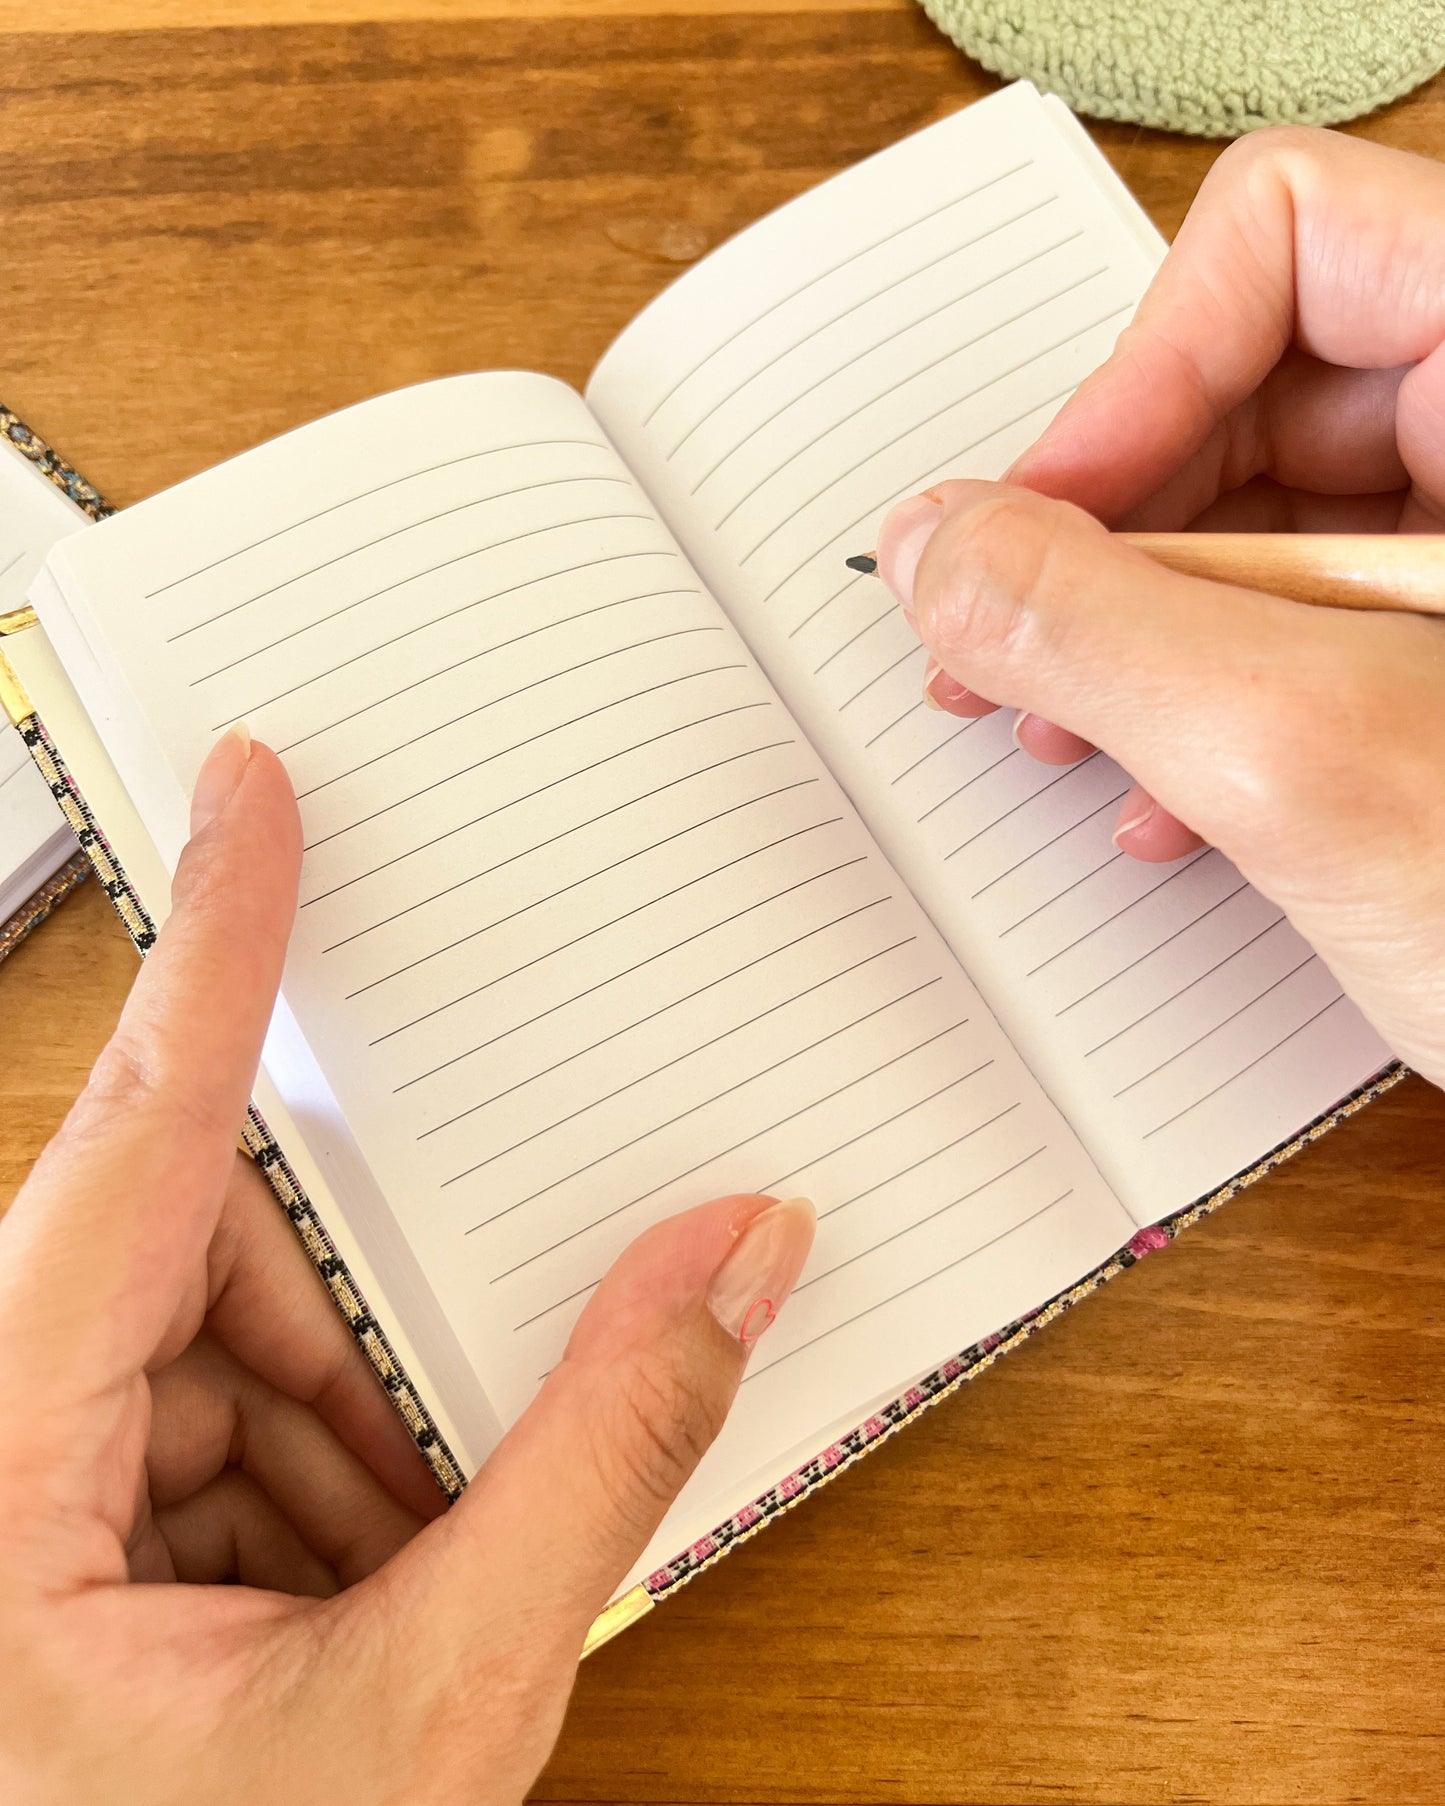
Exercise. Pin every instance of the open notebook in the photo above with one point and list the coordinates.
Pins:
(35, 839)
(636, 873)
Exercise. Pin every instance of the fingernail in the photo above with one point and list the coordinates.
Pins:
(752, 1284)
(1019, 720)
(1138, 807)
(904, 534)
(944, 692)
(220, 775)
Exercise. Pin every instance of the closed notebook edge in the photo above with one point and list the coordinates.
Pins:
(31, 913)
(49, 464)
(349, 1296)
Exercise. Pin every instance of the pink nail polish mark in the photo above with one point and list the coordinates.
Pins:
(752, 1327)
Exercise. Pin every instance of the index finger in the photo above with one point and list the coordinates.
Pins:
(100, 1246)
(1302, 239)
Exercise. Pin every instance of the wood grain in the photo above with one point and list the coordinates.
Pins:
(1187, 1544)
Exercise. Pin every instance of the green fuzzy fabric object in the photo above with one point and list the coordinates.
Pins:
(1216, 68)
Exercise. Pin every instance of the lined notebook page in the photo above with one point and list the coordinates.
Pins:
(586, 931)
(34, 837)
(924, 315)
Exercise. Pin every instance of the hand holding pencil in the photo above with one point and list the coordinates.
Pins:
(1255, 643)
(1403, 572)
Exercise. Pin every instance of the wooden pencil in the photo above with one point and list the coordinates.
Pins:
(1404, 572)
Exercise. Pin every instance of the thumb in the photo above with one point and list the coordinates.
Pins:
(1212, 697)
(567, 1503)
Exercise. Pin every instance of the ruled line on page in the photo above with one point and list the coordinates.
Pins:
(999, 376)
(853, 640)
(968, 784)
(913, 1165)
(1032, 797)
(527, 796)
(767, 1129)
(1189, 1047)
(932, 1217)
(640, 1021)
(576, 828)
(626, 971)
(1193, 921)
(1183, 990)
(1052, 841)
(842, 1147)
(823, 275)
(363, 495)
(871, 512)
(1225, 1083)
(828, 602)
(893, 1297)
(691, 828)
(451, 777)
(887, 671)
(566, 1239)
(676, 633)
(608, 1097)
(953, 300)
(389, 644)
(803, 1109)
(923, 758)
(427, 520)
(552, 839)
(1059, 895)
(662, 896)
(558, 727)
(897, 721)
(887, 1121)
(823, 326)
(1133, 904)
(906, 376)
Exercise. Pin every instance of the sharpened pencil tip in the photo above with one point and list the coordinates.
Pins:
(866, 562)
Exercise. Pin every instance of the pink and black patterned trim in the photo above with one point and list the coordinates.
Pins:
(961, 1368)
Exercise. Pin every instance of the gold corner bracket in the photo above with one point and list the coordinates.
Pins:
(14, 697)
(18, 620)
(634, 1604)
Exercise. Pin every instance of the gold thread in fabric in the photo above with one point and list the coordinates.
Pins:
(14, 697)
(635, 1603)
(52, 466)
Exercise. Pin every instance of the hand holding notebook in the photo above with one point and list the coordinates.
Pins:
(1100, 681)
(265, 1451)
(635, 870)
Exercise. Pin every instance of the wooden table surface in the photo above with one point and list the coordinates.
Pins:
(1184, 1546)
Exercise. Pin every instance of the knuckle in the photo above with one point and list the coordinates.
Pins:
(1266, 155)
(659, 1425)
(1007, 570)
(990, 568)
(128, 1085)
